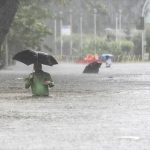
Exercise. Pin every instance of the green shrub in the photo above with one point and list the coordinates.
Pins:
(102, 45)
(127, 46)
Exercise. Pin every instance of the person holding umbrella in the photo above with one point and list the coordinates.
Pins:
(107, 58)
(39, 81)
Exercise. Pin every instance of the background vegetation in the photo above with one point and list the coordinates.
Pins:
(33, 27)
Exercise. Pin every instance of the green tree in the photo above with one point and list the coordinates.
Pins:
(127, 46)
(29, 28)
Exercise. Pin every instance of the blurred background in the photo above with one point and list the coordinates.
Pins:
(71, 29)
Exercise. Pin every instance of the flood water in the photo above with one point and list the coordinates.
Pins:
(105, 111)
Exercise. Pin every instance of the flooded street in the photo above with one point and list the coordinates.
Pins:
(105, 111)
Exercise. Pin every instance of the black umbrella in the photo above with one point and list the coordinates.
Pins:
(29, 57)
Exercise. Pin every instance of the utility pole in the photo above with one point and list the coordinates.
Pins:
(6, 51)
(81, 30)
(143, 31)
(55, 34)
(95, 33)
(120, 19)
(70, 32)
(116, 27)
(81, 33)
(61, 39)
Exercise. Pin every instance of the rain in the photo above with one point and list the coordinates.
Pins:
(107, 108)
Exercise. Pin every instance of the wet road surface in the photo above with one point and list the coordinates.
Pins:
(105, 111)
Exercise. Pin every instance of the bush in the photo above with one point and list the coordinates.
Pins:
(102, 45)
(127, 46)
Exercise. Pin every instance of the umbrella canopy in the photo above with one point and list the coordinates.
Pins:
(29, 57)
(104, 57)
(109, 55)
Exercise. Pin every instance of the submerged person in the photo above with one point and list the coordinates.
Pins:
(93, 67)
(39, 81)
(108, 61)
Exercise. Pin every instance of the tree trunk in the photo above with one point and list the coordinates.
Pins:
(8, 8)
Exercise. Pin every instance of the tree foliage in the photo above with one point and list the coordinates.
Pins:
(29, 27)
(102, 45)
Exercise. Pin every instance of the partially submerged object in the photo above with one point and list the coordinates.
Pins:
(93, 67)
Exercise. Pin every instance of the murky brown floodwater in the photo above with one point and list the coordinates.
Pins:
(105, 111)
